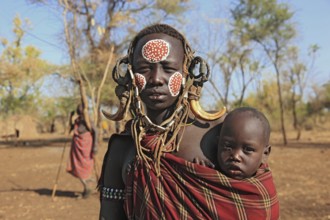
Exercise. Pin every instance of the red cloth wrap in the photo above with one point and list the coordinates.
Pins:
(187, 190)
(81, 161)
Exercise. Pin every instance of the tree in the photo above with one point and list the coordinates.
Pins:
(319, 103)
(326, 95)
(95, 33)
(233, 66)
(298, 75)
(269, 24)
(227, 63)
(263, 99)
(20, 71)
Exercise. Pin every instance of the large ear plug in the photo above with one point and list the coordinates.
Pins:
(199, 80)
(123, 78)
(201, 114)
(124, 97)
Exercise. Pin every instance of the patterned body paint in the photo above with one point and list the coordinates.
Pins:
(155, 50)
(174, 83)
(140, 81)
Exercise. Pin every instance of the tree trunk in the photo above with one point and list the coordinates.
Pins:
(279, 90)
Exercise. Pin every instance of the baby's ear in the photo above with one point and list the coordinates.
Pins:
(266, 153)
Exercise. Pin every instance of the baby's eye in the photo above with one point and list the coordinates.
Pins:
(227, 146)
(248, 149)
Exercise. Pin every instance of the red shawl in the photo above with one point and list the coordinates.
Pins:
(81, 161)
(186, 190)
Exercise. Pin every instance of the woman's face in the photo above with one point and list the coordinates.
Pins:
(157, 66)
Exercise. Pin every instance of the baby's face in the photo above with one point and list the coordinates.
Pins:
(241, 147)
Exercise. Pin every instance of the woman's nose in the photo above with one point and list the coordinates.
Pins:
(156, 76)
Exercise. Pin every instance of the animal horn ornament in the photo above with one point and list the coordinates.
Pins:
(123, 78)
(123, 106)
(195, 91)
(201, 114)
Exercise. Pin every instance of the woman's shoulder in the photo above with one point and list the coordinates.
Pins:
(119, 146)
(121, 140)
(203, 126)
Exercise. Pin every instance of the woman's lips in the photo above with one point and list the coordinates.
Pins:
(155, 95)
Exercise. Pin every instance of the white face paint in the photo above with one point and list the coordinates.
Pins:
(156, 50)
(174, 83)
(140, 81)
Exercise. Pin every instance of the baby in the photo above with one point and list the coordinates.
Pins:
(243, 143)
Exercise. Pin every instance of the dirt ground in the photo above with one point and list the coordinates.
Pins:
(28, 174)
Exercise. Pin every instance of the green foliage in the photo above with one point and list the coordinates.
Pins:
(56, 109)
(260, 20)
(326, 99)
(321, 100)
(268, 23)
(20, 70)
(174, 7)
(97, 26)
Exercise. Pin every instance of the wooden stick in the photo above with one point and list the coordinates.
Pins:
(58, 173)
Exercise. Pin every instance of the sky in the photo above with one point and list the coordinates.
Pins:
(312, 19)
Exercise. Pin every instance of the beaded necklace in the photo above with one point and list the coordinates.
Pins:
(167, 138)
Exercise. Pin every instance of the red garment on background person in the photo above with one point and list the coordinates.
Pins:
(81, 161)
(186, 190)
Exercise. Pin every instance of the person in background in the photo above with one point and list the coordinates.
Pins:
(83, 147)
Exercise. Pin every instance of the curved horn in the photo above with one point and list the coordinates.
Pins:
(201, 114)
(125, 102)
(119, 115)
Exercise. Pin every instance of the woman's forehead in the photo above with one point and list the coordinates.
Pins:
(156, 50)
(173, 43)
(158, 47)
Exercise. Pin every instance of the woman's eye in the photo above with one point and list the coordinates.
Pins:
(143, 70)
(169, 69)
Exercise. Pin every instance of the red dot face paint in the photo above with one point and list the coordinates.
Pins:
(140, 81)
(155, 50)
(174, 83)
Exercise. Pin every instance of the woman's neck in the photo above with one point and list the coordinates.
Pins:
(158, 116)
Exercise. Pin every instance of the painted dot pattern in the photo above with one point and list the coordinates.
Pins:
(174, 83)
(140, 81)
(155, 50)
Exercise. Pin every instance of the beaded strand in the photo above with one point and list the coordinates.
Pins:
(111, 193)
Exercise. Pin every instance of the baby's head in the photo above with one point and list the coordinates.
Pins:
(243, 143)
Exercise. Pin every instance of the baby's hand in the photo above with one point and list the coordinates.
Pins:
(204, 162)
